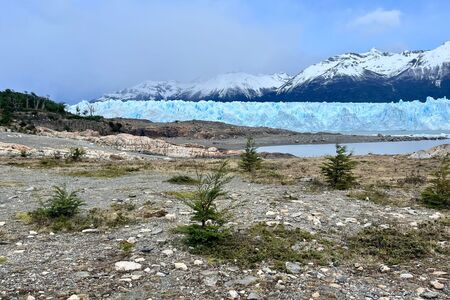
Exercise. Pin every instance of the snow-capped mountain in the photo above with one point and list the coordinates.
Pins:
(224, 87)
(373, 76)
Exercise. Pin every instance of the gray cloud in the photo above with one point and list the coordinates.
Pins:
(72, 50)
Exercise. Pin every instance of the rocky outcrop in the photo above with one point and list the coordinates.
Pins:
(19, 150)
(437, 151)
(141, 144)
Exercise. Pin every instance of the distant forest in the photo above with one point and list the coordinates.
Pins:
(11, 102)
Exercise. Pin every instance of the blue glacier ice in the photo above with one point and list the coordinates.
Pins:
(433, 114)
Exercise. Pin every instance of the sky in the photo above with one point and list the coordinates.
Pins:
(80, 49)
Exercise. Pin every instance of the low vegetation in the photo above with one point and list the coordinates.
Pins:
(397, 245)
(274, 245)
(373, 194)
(437, 194)
(183, 180)
(338, 169)
(108, 171)
(208, 227)
(62, 212)
(76, 154)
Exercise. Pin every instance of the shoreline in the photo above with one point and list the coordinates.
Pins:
(238, 143)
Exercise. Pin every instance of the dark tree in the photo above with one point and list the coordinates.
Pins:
(437, 194)
(338, 169)
(250, 160)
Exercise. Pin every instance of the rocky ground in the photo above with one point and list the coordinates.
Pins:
(39, 263)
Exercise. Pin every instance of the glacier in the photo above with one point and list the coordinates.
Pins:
(433, 114)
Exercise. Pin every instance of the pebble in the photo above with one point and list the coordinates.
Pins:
(315, 295)
(253, 296)
(170, 217)
(90, 230)
(294, 268)
(2, 224)
(429, 295)
(437, 285)
(406, 276)
(167, 252)
(246, 280)
(160, 274)
(198, 262)
(180, 266)
(127, 266)
(233, 294)
(29, 297)
(384, 269)
(32, 232)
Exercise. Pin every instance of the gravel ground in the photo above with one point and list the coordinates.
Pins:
(56, 266)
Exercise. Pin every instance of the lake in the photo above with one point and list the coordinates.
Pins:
(357, 148)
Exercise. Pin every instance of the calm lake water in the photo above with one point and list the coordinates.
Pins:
(356, 148)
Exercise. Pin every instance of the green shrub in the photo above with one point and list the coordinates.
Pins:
(76, 154)
(209, 220)
(183, 179)
(437, 195)
(250, 160)
(338, 169)
(62, 204)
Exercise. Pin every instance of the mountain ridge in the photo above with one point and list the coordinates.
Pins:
(373, 76)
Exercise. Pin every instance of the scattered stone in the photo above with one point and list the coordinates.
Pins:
(253, 296)
(160, 274)
(181, 266)
(90, 230)
(246, 280)
(429, 295)
(2, 224)
(384, 269)
(315, 295)
(29, 297)
(167, 252)
(437, 285)
(406, 276)
(293, 268)
(32, 232)
(170, 217)
(233, 294)
(127, 266)
(198, 262)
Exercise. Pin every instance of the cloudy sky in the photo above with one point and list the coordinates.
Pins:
(73, 50)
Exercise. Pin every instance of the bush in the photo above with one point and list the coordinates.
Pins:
(62, 204)
(76, 154)
(206, 213)
(437, 195)
(183, 179)
(250, 160)
(338, 169)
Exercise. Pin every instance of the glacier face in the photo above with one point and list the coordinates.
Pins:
(298, 116)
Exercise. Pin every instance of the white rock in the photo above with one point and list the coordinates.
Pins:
(139, 259)
(384, 269)
(74, 297)
(315, 295)
(437, 285)
(198, 262)
(3, 224)
(29, 297)
(233, 294)
(31, 188)
(271, 213)
(160, 274)
(170, 217)
(147, 270)
(135, 277)
(435, 216)
(340, 224)
(89, 230)
(167, 252)
(180, 266)
(406, 276)
(127, 266)
(32, 232)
